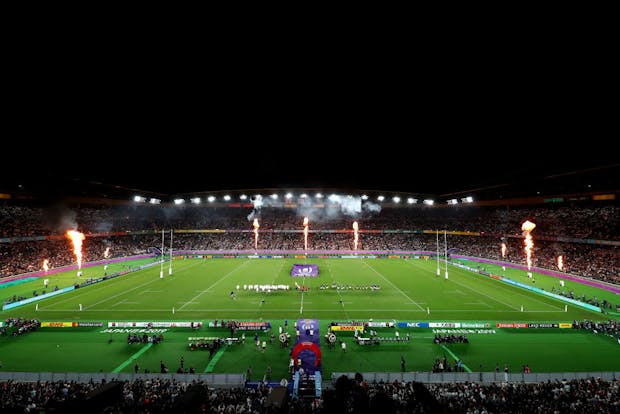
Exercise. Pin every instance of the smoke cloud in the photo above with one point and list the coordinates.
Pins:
(60, 218)
(372, 207)
(257, 202)
(335, 207)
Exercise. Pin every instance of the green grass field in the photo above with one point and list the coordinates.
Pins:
(199, 290)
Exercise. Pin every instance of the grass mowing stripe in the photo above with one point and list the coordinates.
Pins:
(396, 287)
(503, 285)
(331, 275)
(214, 360)
(454, 357)
(132, 358)
(479, 292)
(216, 282)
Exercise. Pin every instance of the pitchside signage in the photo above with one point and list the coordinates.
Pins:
(477, 325)
(511, 325)
(347, 328)
(154, 324)
(46, 324)
(379, 324)
(444, 324)
(544, 325)
(413, 324)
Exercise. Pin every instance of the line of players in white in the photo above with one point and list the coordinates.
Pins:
(265, 288)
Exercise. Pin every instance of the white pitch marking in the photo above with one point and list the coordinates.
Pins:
(396, 287)
(216, 282)
(132, 289)
(484, 294)
(314, 310)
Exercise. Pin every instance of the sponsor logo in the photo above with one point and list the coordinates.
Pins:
(58, 324)
(154, 324)
(413, 324)
(135, 331)
(544, 325)
(347, 328)
(511, 325)
(474, 325)
(379, 324)
(444, 324)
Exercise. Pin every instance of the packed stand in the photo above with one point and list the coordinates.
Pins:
(600, 222)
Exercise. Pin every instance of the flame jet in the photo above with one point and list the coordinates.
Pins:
(305, 233)
(256, 226)
(76, 238)
(527, 228)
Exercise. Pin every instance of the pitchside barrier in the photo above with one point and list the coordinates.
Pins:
(483, 377)
(217, 380)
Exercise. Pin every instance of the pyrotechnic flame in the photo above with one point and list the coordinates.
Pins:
(527, 228)
(76, 238)
(106, 253)
(305, 233)
(561, 262)
(46, 265)
(256, 226)
(503, 250)
(355, 235)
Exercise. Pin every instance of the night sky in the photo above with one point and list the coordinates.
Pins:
(441, 171)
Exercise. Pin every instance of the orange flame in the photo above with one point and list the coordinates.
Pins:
(305, 233)
(561, 262)
(106, 253)
(355, 235)
(76, 238)
(46, 265)
(527, 228)
(256, 226)
(503, 250)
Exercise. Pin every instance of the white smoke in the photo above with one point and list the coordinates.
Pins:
(257, 202)
(335, 207)
(372, 207)
(349, 205)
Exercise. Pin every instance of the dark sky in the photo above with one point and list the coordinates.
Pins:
(439, 169)
(447, 118)
(437, 132)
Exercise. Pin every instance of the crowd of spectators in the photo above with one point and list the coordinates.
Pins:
(560, 396)
(589, 260)
(581, 221)
(497, 225)
(346, 396)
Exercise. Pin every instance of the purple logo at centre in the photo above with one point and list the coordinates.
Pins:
(305, 270)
